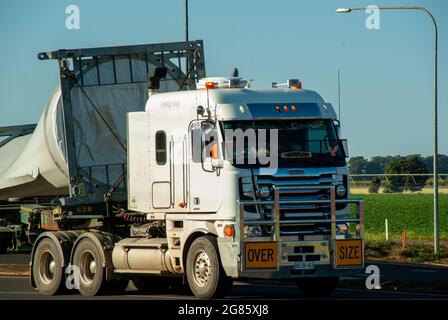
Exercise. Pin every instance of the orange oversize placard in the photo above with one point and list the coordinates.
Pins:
(261, 255)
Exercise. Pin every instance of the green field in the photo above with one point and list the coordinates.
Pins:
(415, 211)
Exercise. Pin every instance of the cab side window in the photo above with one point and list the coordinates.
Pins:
(161, 148)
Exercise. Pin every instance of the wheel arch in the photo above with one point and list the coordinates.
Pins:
(193, 236)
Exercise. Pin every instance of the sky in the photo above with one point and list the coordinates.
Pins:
(386, 74)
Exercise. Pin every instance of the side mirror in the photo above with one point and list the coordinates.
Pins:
(345, 147)
(337, 126)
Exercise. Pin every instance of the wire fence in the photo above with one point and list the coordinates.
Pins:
(396, 182)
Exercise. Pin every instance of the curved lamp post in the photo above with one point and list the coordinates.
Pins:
(435, 171)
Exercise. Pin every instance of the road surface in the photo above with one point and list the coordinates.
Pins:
(14, 288)
(399, 282)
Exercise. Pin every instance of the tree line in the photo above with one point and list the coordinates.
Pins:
(410, 164)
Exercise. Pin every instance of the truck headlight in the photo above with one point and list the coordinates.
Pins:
(342, 229)
(340, 190)
(247, 188)
(264, 192)
(253, 231)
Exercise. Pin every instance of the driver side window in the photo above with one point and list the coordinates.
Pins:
(204, 142)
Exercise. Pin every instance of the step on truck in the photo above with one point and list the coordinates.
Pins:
(143, 169)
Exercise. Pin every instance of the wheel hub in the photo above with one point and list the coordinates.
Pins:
(87, 267)
(202, 269)
(47, 267)
(52, 266)
(92, 267)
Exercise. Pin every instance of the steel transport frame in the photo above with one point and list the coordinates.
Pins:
(73, 64)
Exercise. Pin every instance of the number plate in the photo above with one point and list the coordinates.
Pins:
(304, 266)
(261, 255)
(348, 253)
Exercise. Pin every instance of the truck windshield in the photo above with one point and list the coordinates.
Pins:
(305, 142)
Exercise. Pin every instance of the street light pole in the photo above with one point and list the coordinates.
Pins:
(187, 60)
(186, 21)
(435, 170)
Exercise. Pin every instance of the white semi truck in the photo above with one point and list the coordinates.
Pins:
(147, 173)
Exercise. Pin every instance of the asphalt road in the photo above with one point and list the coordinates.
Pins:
(399, 282)
(16, 258)
(20, 289)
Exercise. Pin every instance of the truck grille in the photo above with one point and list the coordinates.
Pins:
(308, 186)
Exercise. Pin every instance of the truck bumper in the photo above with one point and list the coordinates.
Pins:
(323, 266)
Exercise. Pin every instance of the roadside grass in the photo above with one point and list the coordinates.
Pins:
(411, 211)
(415, 252)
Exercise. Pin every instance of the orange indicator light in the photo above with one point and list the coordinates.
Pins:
(210, 85)
(229, 231)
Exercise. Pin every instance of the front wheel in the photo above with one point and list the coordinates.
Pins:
(205, 275)
(317, 287)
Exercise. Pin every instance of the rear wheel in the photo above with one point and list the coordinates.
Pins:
(87, 258)
(206, 277)
(317, 287)
(47, 268)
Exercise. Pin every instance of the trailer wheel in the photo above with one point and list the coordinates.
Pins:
(47, 268)
(317, 287)
(206, 277)
(87, 258)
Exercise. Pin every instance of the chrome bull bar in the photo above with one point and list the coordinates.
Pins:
(276, 222)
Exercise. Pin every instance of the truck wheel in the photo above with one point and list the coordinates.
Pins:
(206, 277)
(317, 287)
(47, 268)
(87, 258)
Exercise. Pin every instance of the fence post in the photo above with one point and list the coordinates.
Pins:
(386, 225)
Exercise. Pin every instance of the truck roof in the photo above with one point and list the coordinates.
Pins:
(237, 97)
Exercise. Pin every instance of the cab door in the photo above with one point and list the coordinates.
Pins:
(169, 162)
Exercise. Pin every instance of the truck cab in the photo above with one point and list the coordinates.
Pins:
(261, 173)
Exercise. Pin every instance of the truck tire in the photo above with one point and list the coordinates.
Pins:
(317, 287)
(47, 268)
(206, 277)
(87, 257)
